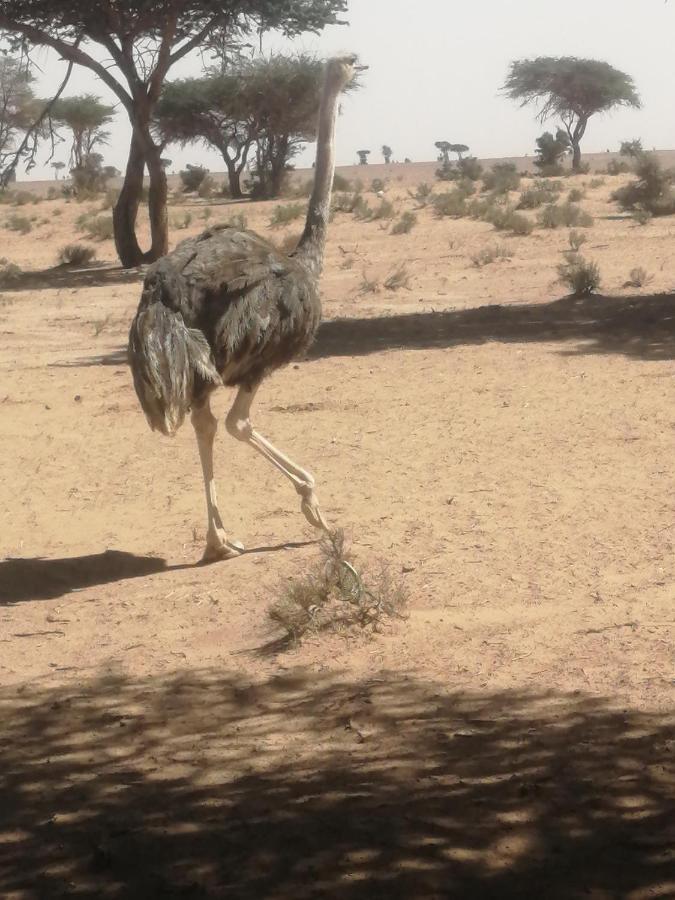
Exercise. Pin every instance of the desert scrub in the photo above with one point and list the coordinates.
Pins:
(10, 273)
(22, 224)
(576, 239)
(568, 215)
(405, 224)
(334, 596)
(489, 254)
(76, 255)
(422, 193)
(398, 278)
(580, 275)
(378, 185)
(181, 221)
(502, 178)
(451, 204)
(99, 228)
(576, 195)
(285, 213)
(651, 192)
(369, 284)
(638, 277)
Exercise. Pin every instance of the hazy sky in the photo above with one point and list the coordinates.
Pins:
(436, 67)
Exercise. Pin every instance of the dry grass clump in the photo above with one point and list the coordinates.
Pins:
(285, 213)
(398, 278)
(489, 254)
(566, 214)
(580, 275)
(76, 255)
(334, 596)
(405, 224)
(638, 277)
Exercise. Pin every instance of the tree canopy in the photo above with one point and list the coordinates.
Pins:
(571, 89)
(143, 40)
(17, 103)
(85, 115)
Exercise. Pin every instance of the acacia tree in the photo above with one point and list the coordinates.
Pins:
(570, 89)
(143, 40)
(85, 116)
(363, 157)
(211, 110)
(387, 153)
(17, 103)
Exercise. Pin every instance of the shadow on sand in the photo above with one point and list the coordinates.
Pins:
(69, 277)
(202, 785)
(642, 327)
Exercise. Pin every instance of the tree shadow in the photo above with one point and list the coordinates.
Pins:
(69, 277)
(45, 579)
(637, 326)
(641, 327)
(202, 784)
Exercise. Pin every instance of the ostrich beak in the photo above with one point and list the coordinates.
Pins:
(361, 68)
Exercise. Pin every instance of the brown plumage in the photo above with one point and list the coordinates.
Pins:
(228, 308)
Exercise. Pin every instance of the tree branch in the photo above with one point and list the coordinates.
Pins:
(71, 52)
(198, 38)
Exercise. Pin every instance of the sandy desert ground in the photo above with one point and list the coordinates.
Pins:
(506, 449)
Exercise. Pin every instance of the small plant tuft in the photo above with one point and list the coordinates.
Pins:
(76, 255)
(10, 273)
(489, 254)
(582, 276)
(334, 596)
(398, 278)
(638, 277)
(576, 240)
(285, 213)
(405, 224)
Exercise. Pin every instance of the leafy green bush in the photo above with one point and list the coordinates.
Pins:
(450, 203)
(581, 275)
(405, 224)
(285, 213)
(192, 177)
(76, 255)
(651, 192)
(502, 178)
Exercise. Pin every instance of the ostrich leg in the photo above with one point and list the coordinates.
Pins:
(217, 544)
(238, 424)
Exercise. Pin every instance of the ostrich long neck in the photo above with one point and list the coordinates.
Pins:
(311, 245)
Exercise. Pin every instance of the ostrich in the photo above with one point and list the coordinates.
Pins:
(228, 308)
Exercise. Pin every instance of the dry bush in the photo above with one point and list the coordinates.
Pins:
(398, 278)
(422, 193)
(566, 214)
(76, 255)
(576, 239)
(22, 224)
(638, 277)
(405, 224)
(285, 213)
(181, 222)
(489, 254)
(450, 203)
(384, 211)
(98, 228)
(582, 276)
(10, 273)
(368, 285)
(334, 596)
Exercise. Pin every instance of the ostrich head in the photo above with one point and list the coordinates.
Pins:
(341, 71)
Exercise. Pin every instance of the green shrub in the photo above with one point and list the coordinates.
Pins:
(541, 192)
(23, 198)
(345, 202)
(553, 170)
(76, 255)
(422, 193)
(575, 195)
(285, 213)
(377, 185)
(22, 224)
(361, 210)
(502, 178)
(580, 275)
(192, 177)
(450, 203)
(641, 216)
(519, 224)
(405, 224)
(470, 168)
(564, 214)
(651, 192)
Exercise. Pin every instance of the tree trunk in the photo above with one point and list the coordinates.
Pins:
(157, 206)
(234, 180)
(576, 156)
(125, 212)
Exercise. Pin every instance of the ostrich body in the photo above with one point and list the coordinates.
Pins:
(228, 308)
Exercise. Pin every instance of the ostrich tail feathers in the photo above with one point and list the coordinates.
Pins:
(170, 363)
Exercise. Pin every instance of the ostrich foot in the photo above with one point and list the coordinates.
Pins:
(312, 511)
(218, 547)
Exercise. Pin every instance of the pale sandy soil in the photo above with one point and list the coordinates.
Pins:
(508, 449)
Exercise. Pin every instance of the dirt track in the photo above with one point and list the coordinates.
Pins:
(508, 447)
